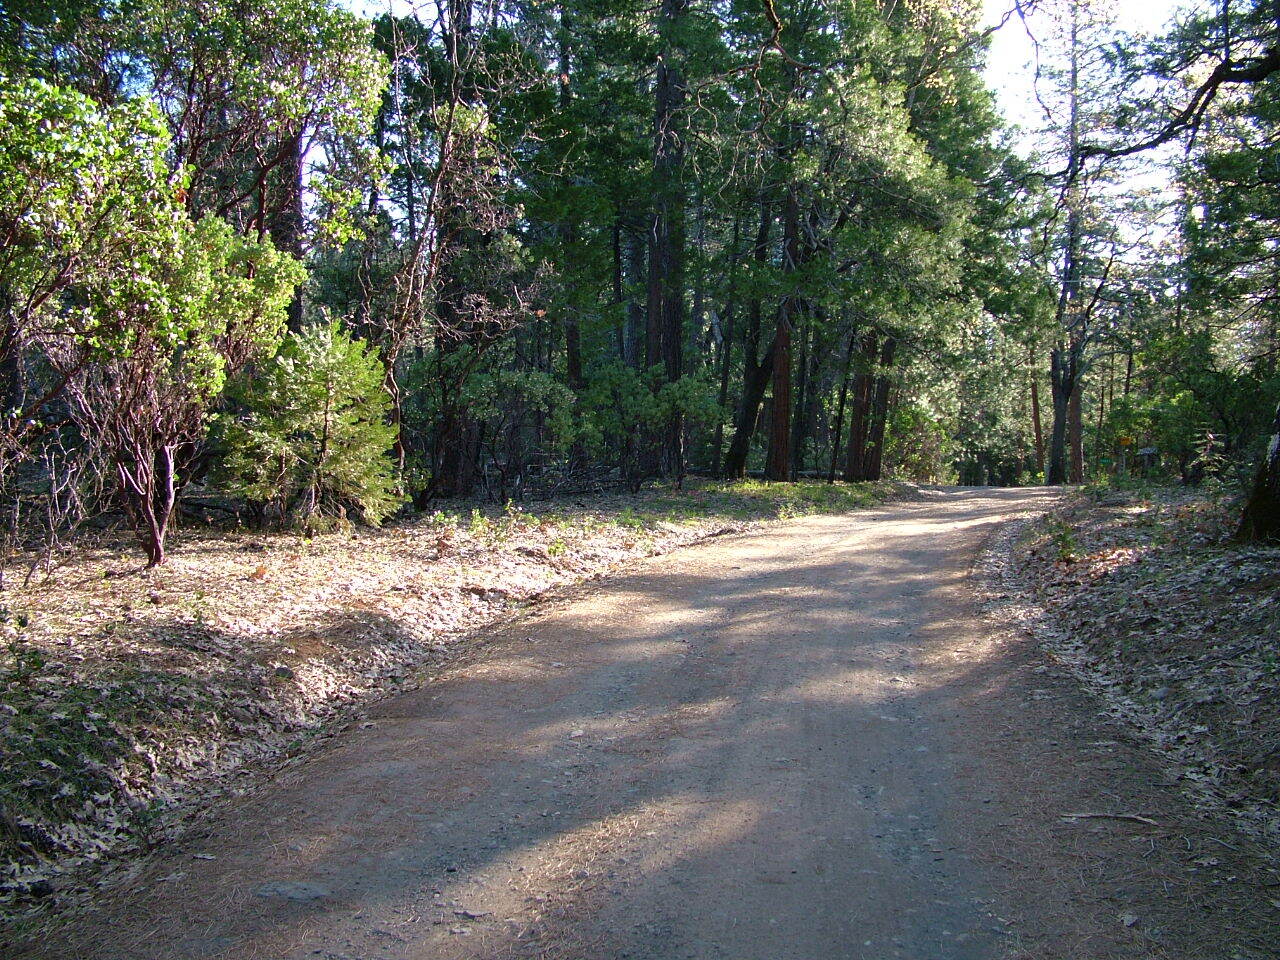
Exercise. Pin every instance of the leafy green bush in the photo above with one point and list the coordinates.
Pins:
(119, 314)
(311, 441)
(918, 445)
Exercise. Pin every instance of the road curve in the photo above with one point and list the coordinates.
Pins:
(760, 748)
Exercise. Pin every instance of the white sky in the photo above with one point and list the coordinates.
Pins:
(1011, 62)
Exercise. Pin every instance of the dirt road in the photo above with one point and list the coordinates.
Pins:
(802, 743)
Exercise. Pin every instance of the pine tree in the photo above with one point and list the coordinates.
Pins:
(312, 443)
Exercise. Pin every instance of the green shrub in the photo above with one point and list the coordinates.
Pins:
(1064, 541)
(312, 437)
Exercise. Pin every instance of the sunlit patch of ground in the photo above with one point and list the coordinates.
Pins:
(125, 695)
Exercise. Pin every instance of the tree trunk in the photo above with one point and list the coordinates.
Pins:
(726, 346)
(859, 415)
(150, 489)
(619, 295)
(1061, 385)
(1261, 517)
(755, 372)
(755, 381)
(457, 326)
(572, 332)
(286, 226)
(1065, 359)
(573, 354)
(636, 332)
(778, 466)
(838, 430)
(392, 384)
(1075, 433)
(880, 412)
(666, 239)
(1098, 451)
(806, 389)
(1035, 416)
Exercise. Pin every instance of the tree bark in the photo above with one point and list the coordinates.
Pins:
(880, 412)
(1062, 383)
(806, 388)
(666, 239)
(1065, 361)
(726, 345)
(150, 487)
(636, 332)
(287, 225)
(572, 331)
(838, 430)
(619, 295)
(1035, 415)
(778, 466)
(859, 415)
(754, 383)
(1075, 433)
(1260, 520)
(755, 372)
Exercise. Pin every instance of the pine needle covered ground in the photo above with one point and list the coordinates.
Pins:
(128, 697)
(1145, 595)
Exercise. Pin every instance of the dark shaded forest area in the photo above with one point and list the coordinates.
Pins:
(280, 263)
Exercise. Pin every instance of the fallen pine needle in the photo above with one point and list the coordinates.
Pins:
(1136, 818)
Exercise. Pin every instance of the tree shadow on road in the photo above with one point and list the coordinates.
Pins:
(622, 776)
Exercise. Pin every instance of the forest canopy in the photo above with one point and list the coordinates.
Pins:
(305, 266)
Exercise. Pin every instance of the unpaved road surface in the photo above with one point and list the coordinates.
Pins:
(800, 743)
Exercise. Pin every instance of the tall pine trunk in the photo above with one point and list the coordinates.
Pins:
(874, 468)
(726, 346)
(755, 371)
(838, 430)
(665, 321)
(808, 388)
(1065, 360)
(1261, 517)
(1075, 433)
(568, 234)
(860, 410)
(1062, 380)
(1036, 424)
(457, 433)
(778, 466)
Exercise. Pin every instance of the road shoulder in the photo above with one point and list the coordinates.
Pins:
(1098, 852)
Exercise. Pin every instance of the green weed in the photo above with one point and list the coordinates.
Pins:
(1064, 540)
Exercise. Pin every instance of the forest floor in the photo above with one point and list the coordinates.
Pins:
(782, 744)
(130, 699)
(1143, 595)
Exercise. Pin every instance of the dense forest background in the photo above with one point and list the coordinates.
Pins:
(283, 262)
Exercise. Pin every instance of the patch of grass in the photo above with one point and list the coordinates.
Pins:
(630, 520)
(755, 499)
(698, 501)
